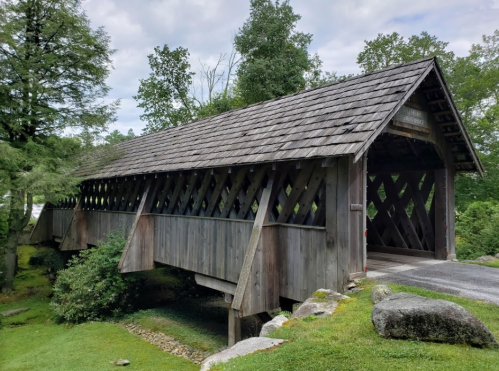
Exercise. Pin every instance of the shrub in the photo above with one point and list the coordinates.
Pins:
(476, 230)
(51, 259)
(92, 288)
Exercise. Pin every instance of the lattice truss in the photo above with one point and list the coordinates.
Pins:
(298, 196)
(401, 210)
(66, 203)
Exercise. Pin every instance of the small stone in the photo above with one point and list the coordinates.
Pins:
(322, 303)
(497, 255)
(122, 362)
(355, 289)
(272, 325)
(351, 285)
(380, 293)
(13, 312)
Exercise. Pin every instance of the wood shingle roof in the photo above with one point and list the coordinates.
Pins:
(332, 120)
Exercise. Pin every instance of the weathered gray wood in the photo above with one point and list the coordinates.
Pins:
(201, 194)
(342, 243)
(41, 232)
(422, 214)
(215, 284)
(234, 190)
(440, 214)
(331, 209)
(188, 193)
(252, 191)
(215, 197)
(176, 195)
(138, 252)
(399, 251)
(309, 195)
(298, 188)
(391, 193)
(234, 325)
(357, 215)
(451, 215)
(251, 250)
(75, 237)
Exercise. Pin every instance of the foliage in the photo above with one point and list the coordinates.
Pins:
(51, 259)
(115, 136)
(390, 49)
(476, 230)
(164, 95)
(53, 68)
(92, 287)
(274, 55)
(348, 341)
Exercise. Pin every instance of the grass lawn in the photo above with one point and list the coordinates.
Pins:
(347, 341)
(31, 341)
(493, 264)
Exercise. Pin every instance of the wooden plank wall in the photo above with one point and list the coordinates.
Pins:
(303, 261)
(101, 223)
(213, 247)
(61, 218)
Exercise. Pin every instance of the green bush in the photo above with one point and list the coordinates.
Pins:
(51, 259)
(476, 230)
(92, 288)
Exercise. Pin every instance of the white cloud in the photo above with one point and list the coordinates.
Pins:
(339, 29)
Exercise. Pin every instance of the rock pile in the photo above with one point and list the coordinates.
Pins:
(167, 343)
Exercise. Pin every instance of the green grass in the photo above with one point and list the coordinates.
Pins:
(493, 264)
(32, 341)
(84, 347)
(347, 341)
(187, 326)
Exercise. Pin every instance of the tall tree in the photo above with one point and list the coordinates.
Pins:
(165, 94)
(274, 55)
(390, 49)
(53, 68)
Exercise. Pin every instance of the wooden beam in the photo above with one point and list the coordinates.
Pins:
(399, 251)
(234, 190)
(40, 231)
(440, 193)
(234, 325)
(437, 101)
(176, 194)
(443, 113)
(250, 195)
(217, 192)
(251, 250)
(215, 284)
(76, 237)
(298, 188)
(447, 123)
(137, 254)
(431, 90)
(452, 133)
(201, 194)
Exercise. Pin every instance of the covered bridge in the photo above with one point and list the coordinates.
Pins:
(272, 201)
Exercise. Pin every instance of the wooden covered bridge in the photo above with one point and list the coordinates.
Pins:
(271, 202)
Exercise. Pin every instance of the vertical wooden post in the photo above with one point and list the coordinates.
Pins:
(331, 235)
(76, 237)
(343, 222)
(234, 322)
(441, 219)
(451, 222)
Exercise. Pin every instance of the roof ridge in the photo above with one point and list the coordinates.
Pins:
(188, 124)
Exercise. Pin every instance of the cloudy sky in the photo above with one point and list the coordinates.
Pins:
(206, 27)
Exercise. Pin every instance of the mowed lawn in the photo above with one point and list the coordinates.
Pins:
(347, 341)
(32, 341)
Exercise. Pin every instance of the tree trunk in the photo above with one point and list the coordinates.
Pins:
(18, 219)
(10, 255)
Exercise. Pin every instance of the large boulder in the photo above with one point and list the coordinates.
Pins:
(380, 293)
(406, 316)
(272, 325)
(322, 303)
(240, 349)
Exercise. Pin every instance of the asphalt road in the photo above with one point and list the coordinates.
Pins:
(466, 280)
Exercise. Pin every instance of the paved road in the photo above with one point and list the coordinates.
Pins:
(467, 280)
